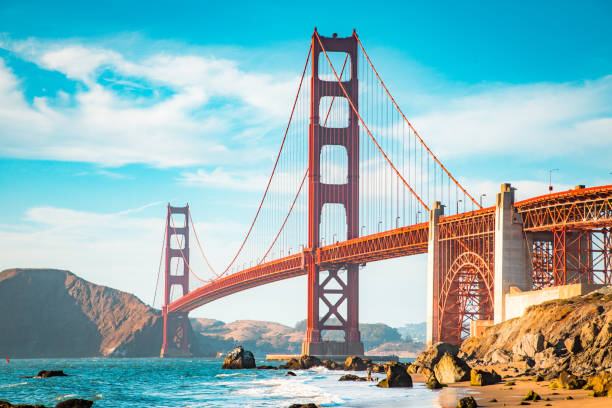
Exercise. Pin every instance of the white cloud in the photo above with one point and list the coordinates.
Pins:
(538, 120)
(108, 128)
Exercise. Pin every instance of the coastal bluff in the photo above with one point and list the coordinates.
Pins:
(50, 313)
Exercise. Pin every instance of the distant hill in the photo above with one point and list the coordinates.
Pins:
(268, 337)
(413, 331)
(53, 313)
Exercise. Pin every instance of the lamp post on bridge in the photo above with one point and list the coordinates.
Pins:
(397, 221)
(379, 224)
(482, 195)
(458, 201)
(363, 227)
(550, 172)
(418, 216)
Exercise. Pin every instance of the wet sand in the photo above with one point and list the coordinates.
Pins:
(512, 396)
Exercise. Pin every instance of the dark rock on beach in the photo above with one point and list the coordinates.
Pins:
(239, 358)
(467, 402)
(451, 369)
(290, 374)
(483, 377)
(397, 376)
(310, 405)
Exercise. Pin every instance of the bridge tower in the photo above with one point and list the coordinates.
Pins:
(175, 340)
(332, 290)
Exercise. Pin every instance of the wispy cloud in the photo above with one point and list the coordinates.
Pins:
(187, 127)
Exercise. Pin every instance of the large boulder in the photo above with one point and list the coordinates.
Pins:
(430, 357)
(451, 369)
(352, 377)
(397, 376)
(303, 363)
(467, 402)
(331, 365)
(354, 363)
(601, 384)
(483, 377)
(528, 345)
(239, 358)
(573, 344)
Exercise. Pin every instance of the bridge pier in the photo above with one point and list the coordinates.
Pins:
(433, 274)
(332, 291)
(176, 329)
(512, 263)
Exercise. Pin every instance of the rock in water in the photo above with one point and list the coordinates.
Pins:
(451, 369)
(482, 377)
(311, 405)
(433, 383)
(467, 402)
(397, 376)
(352, 377)
(290, 374)
(239, 358)
(303, 363)
(50, 373)
(75, 403)
(354, 363)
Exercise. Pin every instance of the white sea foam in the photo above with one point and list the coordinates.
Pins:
(293, 388)
(63, 397)
(13, 385)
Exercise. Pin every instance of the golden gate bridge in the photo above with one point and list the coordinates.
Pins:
(353, 182)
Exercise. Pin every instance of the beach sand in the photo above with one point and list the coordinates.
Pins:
(512, 396)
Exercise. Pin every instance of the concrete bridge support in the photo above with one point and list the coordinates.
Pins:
(433, 274)
(512, 263)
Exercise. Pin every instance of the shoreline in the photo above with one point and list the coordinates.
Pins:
(512, 396)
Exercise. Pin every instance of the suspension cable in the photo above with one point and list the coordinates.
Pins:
(409, 124)
(366, 127)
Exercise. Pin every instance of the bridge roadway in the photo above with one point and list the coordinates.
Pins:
(579, 208)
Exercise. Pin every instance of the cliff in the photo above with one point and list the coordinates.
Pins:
(573, 334)
(54, 313)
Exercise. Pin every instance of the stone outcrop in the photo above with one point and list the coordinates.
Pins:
(483, 377)
(430, 357)
(528, 345)
(352, 377)
(55, 314)
(573, 334)
(467, 402)
(310, 405)
(354, 363)
(303, 363)
(51, 373)
(451, 369)
(568, 381)
(433, 383)
(397, 376)
(239, 358)
(601, 384)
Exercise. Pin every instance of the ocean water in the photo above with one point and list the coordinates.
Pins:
(200, 383)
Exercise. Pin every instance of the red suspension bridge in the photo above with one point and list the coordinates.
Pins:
(353, 182)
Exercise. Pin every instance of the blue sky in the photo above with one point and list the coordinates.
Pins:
(109, 111)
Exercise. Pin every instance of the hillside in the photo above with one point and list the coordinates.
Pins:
(263, 337)
(54, 313)
(574, 334)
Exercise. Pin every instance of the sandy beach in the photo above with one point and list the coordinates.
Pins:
(512, 396)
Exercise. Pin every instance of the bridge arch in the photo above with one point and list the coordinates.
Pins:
(466, 294)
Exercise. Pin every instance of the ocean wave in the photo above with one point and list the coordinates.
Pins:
(63, 397)
(13, 385)
(234, 375)
(291, 388)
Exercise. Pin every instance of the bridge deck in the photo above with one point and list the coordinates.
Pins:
(580, 208)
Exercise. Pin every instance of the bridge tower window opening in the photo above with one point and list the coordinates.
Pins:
(334, 165)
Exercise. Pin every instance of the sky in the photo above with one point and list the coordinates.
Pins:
(108, 111)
